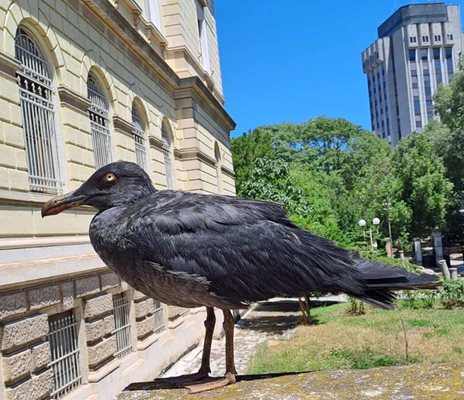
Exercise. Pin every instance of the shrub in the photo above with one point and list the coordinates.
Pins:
(452, 293)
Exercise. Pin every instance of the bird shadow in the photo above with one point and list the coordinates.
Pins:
(166, 383)
(277, 324)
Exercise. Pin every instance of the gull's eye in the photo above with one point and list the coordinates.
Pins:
(109, 177)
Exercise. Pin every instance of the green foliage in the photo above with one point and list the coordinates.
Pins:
(330, 173)
(270, 180)
(447, 137)
(425, 189)
(366, 358)
(418, 299)
(452, 293)
(379, 340)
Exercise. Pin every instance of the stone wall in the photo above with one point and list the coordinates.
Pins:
(48, 265)
(24, 329)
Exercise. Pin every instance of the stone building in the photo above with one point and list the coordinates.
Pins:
(83, 83)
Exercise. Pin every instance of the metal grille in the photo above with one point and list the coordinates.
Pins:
(167, 151)
(99, 123)
(122, 325)
(139, 139)
(38, 116)
(64, 354)
(159, 316)
(217, 156)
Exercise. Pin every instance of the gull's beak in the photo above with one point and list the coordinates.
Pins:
(60, 203)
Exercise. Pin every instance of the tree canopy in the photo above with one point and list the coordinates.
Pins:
(330, 173)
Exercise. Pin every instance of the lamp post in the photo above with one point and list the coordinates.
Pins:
(387, 207)
(362, 223)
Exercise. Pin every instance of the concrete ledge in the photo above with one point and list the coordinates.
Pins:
(418, 382)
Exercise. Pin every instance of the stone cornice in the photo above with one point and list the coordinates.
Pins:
(156, 142)
(122, 125)
(194, 62)
(189, 87)
(111, 16)
(8, 66)
(228, 172)
(194, 154)
(132, 6)
(73, 99)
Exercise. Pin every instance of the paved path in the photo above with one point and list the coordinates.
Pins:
(272, 320)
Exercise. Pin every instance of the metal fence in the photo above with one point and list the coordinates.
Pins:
(99, 123)
(139, 139)
(159, 316)
(122, 325)
(64, 354)
(38, 116)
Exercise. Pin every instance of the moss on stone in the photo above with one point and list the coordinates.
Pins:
(417, 382)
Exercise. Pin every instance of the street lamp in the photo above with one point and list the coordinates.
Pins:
(362, 223)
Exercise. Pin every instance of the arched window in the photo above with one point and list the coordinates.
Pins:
(153, 12)
(99, 122)
(38, 115)
(217, 156)
(139, 138)
(167, 152)
(203, 36)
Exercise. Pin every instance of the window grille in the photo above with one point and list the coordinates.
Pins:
(139, 139)
(159, 316)
(64, 354)
(217, 156)
(122, 325)
(99, 123)
(38, 116)
(167, 152)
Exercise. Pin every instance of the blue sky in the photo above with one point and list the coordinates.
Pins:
(290, 61)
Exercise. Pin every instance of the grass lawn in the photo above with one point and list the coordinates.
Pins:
(376, 339)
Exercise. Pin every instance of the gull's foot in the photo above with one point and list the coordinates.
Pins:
(184, 380)
(212, 383)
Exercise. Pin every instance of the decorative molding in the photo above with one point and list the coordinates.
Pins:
(157, 143)
(99, 374)
(38, 242)
(182, 87)
(133, 8)
(194, 154)
(16, 198)
(122, 125)
(73, 99)
(193, 87)
(9, 66)
(228, 172)
(186, 54)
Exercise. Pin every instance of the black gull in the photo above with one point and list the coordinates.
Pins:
(190, 250)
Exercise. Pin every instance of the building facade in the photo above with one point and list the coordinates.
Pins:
(84, 83)
(417, 50)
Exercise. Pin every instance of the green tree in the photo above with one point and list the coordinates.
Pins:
(270, 179)
(425, 190)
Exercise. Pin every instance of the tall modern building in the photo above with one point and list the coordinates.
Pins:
(417, 50)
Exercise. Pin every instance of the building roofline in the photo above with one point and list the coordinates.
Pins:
(413, 13)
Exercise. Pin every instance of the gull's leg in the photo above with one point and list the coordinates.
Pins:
(205, 369)
(210, 322)
(231, 372)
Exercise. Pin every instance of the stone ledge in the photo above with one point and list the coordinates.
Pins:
(414, 382)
